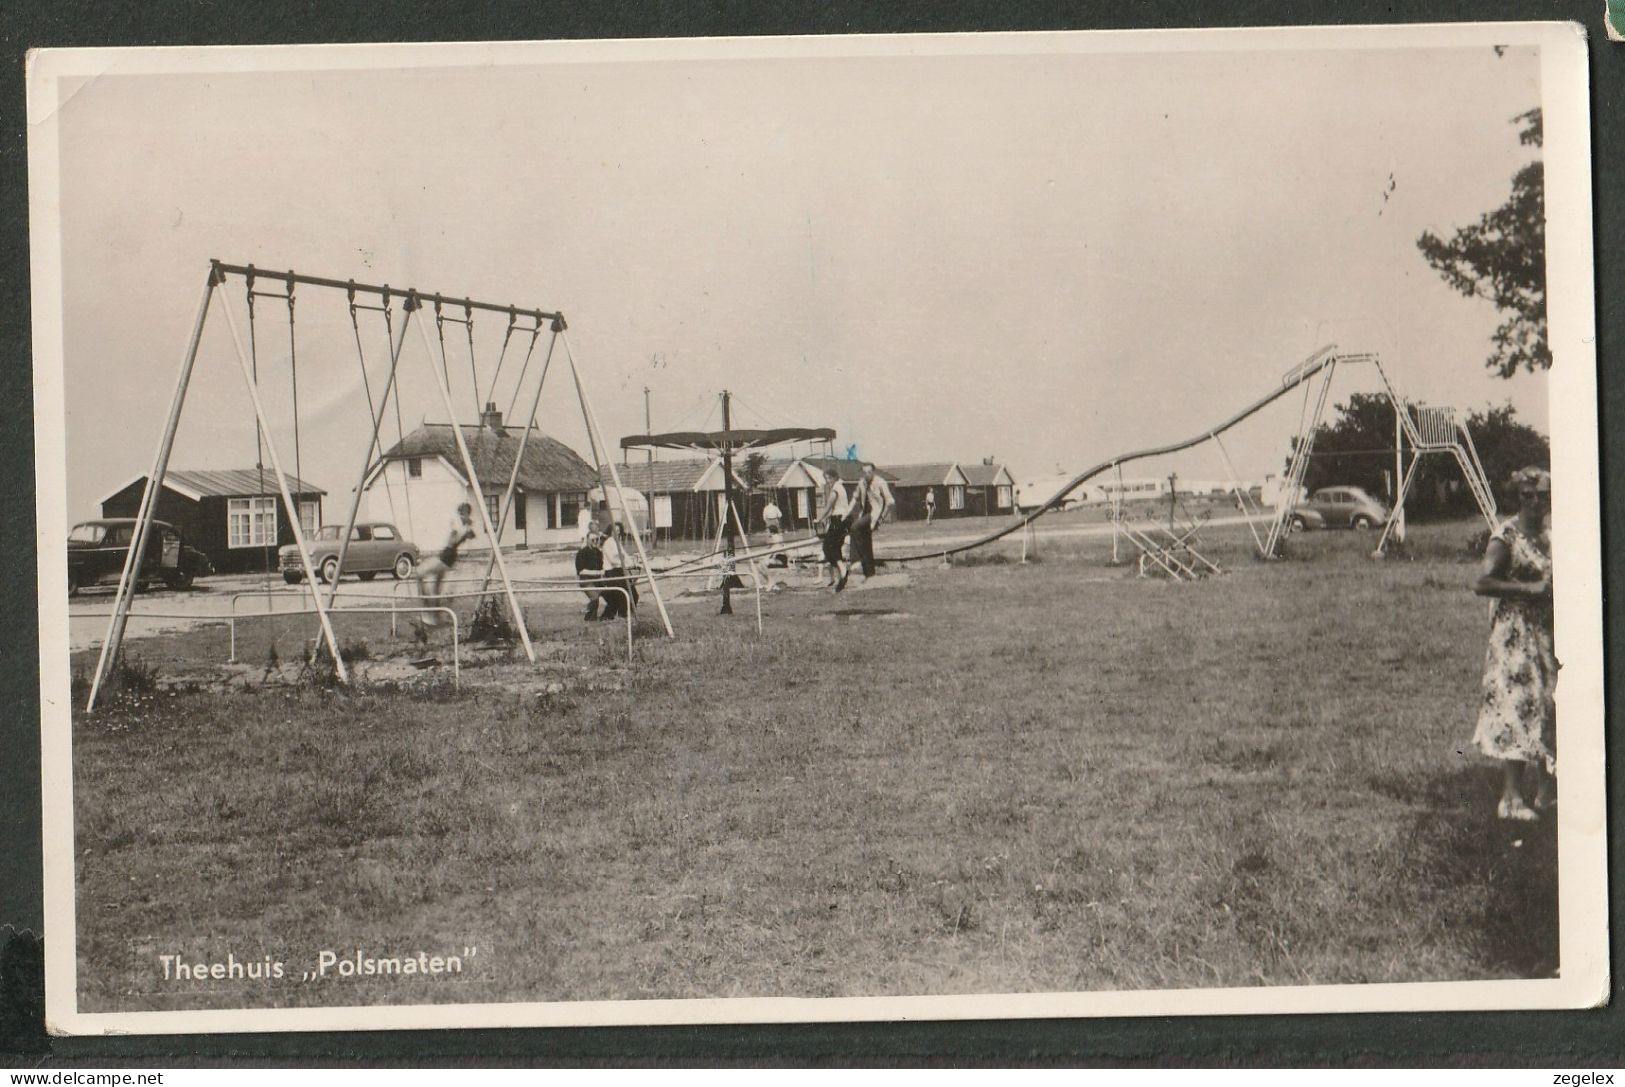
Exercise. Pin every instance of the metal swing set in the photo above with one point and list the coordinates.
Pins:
(521, 320)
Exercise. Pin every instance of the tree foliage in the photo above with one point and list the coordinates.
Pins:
(1357, 450)
(1502, 258)
(753, 473)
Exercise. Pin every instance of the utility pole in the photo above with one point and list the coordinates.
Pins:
(727, 508)
(648, 431)
(1172, 499)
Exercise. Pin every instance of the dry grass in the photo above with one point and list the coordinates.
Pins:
(996, 779)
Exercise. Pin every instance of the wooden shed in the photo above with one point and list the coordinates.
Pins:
(914, 481)
(685, 496)
(989, 489)
(233, 515)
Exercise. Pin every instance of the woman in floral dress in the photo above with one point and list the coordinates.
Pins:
(1517, 716)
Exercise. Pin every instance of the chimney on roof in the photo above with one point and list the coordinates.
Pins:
(491, 417)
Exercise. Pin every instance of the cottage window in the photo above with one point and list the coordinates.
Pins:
(569, 510)
(493, 509)
(956, 497)
(251, 522)
(414, 467)
(1004, 497)
(309, 519)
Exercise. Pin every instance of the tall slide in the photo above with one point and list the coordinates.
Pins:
(1323, 361)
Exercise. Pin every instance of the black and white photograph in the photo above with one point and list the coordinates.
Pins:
(817, 529)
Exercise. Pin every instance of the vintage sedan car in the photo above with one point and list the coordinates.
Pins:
(97, 551)
(1339, 507)
(376, 547)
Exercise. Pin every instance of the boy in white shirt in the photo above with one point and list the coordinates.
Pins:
(432, 571)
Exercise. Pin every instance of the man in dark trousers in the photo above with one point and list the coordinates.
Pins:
(590, 571)
(869, 507)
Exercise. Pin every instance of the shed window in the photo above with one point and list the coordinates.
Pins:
(956, 497)
(309, 515)
(250, 522)
(1003, 497)
(414, 467)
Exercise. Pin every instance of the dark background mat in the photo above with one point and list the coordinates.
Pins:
(1560, 1039)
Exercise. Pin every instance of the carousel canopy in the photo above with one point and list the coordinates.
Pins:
(731, 440)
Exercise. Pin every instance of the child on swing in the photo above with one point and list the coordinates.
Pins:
(433, 571)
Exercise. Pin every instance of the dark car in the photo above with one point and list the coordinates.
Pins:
(1339, 507)
(97, 551)
(376, 547)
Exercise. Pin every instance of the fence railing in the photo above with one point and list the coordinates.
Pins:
(231, 619)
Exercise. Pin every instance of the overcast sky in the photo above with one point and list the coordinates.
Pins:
(1048, 258)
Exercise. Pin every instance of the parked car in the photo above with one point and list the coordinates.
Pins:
(98, 549)
(1339, 507)
(376, 547)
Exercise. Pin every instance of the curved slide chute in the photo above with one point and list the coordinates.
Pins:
(1295, 377)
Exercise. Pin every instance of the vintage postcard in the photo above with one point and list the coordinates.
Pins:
(849, 528)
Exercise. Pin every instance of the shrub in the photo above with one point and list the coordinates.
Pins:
(492, 623)
(132, 676)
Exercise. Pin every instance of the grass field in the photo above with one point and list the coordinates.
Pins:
(995, 778)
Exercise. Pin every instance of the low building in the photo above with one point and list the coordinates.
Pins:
(912, 482)
(684, 497)
(990, 489)
(420, 481)
(794, 486)
(847, 474)
(1140, 487)
(233, 515)
(1032, 493)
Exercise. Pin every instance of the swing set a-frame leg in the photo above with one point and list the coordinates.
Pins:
(596, 435)
(149, 498)
(294, 524)
(366, 461)
(413, 301)
(506, 508)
